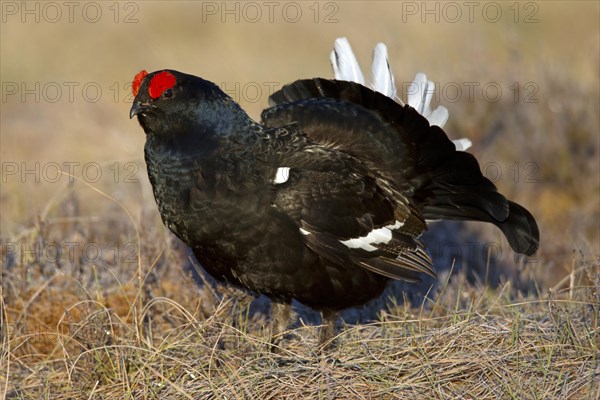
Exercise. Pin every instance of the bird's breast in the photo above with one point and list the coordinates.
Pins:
(203, 196)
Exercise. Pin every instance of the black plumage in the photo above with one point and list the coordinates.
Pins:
(323, 201)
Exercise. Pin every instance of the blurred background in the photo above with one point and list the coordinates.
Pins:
(520, 79)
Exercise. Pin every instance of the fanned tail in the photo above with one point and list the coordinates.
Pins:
(444, 183)
(346, 68)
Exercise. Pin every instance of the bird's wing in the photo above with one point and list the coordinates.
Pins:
(347, 216)
(392, 139)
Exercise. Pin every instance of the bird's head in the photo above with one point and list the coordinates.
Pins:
(171, 103)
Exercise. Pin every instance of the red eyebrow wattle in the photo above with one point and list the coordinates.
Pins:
(137, 81)
(159, 83)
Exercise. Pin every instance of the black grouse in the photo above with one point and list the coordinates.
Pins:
(323, 201)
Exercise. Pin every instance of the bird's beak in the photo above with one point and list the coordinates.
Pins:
(138, 108)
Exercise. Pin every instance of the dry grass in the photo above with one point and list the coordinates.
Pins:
(117, 313)
(143, 329)
(101, 331)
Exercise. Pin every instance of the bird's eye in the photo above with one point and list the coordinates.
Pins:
(168, 93)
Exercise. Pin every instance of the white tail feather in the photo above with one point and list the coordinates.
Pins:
(382, 78)
(428, 94)
(419, 94)
(462, 144)
(439, 116)
(414, 91)
(343, 61)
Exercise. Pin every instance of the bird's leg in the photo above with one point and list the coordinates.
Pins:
(281, 315)
(327, 334)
